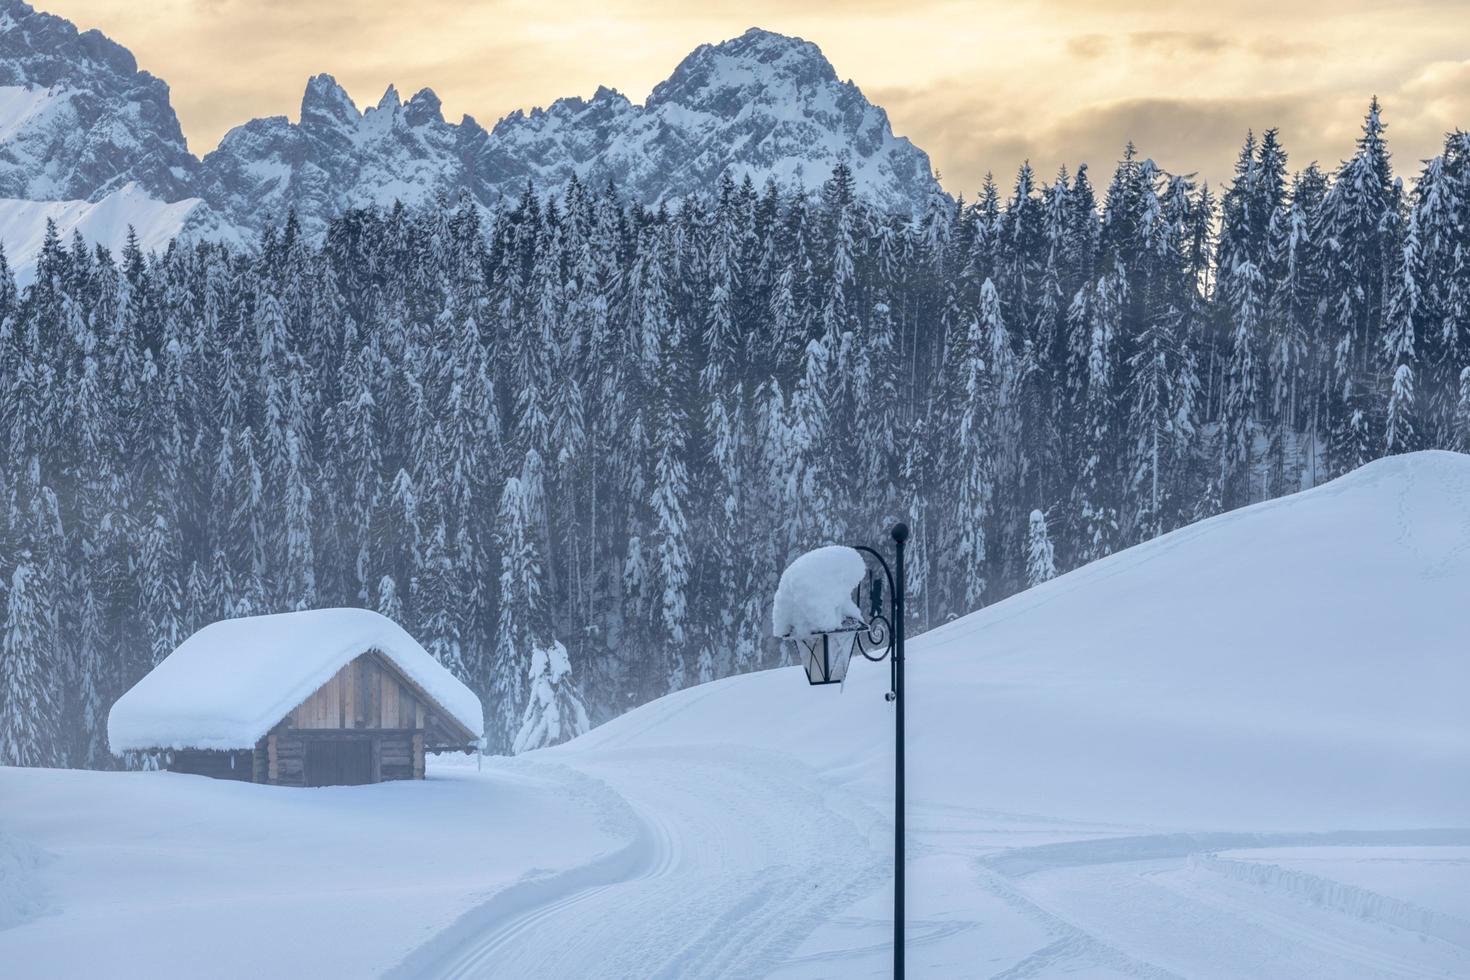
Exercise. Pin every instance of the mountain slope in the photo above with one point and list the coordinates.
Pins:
(105, 221)
(78, 120)
(337, 157)
(1300, 663)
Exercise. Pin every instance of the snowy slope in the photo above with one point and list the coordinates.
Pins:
(1298, 664)
(1237, 751)
(105, 222)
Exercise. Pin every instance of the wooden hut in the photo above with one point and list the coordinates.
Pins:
(320, 698)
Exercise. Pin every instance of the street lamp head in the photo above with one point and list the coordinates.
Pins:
(826, 657)
(818, 608)
(900, 532)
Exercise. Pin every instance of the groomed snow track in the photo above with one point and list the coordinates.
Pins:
(736, 905)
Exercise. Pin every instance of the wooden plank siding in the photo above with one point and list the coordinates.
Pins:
(369, 699)
(366, 693)
(370, 693)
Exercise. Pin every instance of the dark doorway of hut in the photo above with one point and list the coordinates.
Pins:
(339, 762)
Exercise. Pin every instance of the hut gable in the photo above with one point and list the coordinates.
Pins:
(236, 682)
(371, 693)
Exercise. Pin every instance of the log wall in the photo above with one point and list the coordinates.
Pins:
(397, 753)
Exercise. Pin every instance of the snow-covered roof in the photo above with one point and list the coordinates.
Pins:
(234, 680)
(815, 593)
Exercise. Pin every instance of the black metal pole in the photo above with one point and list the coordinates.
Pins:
(900, 535)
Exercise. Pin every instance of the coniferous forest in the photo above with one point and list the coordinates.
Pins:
(571, 443)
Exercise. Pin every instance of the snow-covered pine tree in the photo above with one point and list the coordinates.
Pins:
(27, 709)
(1401, 347)
(554, 711)
(1040, 556)
(1356, 220)
(524, 617)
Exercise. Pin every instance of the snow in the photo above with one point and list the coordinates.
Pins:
(231, 682)
(1090, 764)
(21, 896)
(19, 104)
(104, 222)
(815, 593)
(1432, 879)
(157, 875)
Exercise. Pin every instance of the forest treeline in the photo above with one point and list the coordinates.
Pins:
(576, 421)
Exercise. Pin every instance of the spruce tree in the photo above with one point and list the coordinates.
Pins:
(1040, 557)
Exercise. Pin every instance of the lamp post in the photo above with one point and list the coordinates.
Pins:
(880, 636)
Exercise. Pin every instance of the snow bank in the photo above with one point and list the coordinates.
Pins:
(153, 876)
(231, 682)
(815, 593)
(1297, 664)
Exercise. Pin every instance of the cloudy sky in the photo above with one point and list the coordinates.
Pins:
(980, 85)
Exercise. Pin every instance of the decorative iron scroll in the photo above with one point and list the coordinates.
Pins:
(876, 642)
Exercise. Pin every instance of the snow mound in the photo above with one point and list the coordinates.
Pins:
(815, 593)
(231, 682)
(1297, 664)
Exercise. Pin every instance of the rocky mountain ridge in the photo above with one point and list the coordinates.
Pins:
(80, 122)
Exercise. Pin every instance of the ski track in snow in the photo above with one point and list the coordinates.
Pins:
(740, 907)
(735, 907)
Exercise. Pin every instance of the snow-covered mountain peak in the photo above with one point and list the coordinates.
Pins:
(757, 63)
(104, 122)
(606, 94)
(326, 103)
(79, 121)
(49, 49)
(762, 105)
(423, 108)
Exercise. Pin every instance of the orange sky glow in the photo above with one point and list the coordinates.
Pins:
(981, 86)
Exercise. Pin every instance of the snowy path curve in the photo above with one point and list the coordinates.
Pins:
(736, 906)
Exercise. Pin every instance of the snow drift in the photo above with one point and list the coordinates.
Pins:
(1298, 663)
